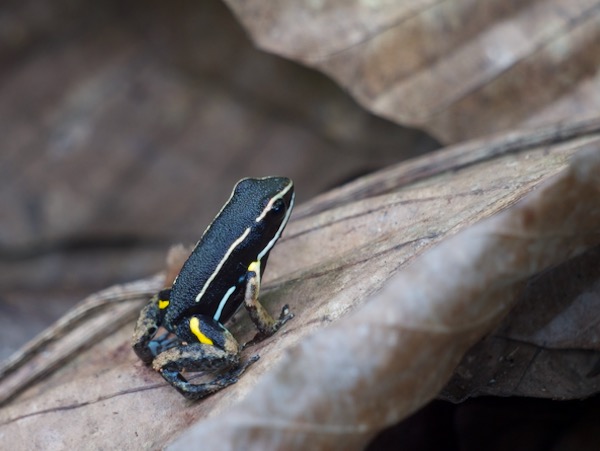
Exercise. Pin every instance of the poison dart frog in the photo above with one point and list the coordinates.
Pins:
(223, 272)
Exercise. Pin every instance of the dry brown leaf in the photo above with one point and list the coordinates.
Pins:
(458, 68)
(338, 384)
(93, 116)
(336, 389)
(543, 352)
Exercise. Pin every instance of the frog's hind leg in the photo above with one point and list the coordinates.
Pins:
(145, 329)
(200, 357)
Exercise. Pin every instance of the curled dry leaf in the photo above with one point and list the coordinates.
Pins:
(458, 68)
(91, 320)
(549, 344)
(378, 360)
(336, 389)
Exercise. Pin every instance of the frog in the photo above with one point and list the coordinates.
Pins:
(223, 272)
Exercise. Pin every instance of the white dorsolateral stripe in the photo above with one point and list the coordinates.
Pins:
(222, 262)
(281, 227)
(274, 199)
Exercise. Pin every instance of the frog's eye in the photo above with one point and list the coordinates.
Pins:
(278, 207)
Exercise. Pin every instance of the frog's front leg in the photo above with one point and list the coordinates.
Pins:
(263, 321)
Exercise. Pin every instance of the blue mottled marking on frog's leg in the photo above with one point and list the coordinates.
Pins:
(162, 343)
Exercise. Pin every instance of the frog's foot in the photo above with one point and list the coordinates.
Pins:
(284, 317)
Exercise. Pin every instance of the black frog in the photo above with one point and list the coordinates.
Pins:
(223, 272)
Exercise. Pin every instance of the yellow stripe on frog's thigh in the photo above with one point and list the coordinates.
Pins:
(195, 328)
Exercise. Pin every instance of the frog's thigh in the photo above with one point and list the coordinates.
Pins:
(195, 357)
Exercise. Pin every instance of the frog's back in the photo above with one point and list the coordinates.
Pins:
(218, 264)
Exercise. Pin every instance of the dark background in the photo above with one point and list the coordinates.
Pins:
(124, 127)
